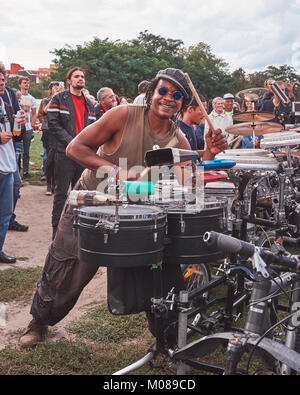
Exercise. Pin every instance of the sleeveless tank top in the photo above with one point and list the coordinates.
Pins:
(137, 138)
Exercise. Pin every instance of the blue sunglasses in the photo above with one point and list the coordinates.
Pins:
(163, 91)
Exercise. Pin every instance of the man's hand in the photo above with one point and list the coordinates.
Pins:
(290, 88)
(20, 117)
(216, 142)
(5, 137)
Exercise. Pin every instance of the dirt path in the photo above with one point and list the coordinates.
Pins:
(34, 209)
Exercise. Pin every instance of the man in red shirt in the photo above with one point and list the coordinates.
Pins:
(68, 114)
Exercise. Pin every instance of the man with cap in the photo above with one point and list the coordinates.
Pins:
(123, 132)
(228, 100)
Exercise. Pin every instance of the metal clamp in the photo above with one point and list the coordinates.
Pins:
(259, 264)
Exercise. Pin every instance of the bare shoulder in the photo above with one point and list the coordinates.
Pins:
(103, 130)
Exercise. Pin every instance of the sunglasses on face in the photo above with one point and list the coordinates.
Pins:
(163, 91)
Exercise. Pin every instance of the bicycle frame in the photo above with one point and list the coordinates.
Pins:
(257, 323)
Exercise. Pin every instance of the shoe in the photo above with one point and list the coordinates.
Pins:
(27, 175)
(34, 334)
(49, 190)
(43, 178)
(6, 259)
(18, 227)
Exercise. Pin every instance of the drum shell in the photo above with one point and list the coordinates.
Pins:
(223, 192)
(136, 243)
(185, 232)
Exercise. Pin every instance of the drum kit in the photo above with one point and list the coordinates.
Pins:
(265, 178)
(167, 227)
(243, 189)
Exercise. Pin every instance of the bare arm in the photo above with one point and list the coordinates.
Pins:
(105, 132)
(33, 117)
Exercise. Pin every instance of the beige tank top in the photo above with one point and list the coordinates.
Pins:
(137, 138)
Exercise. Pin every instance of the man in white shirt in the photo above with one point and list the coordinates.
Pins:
(219, 119)
(29, 105)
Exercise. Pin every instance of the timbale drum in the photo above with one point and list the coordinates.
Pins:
(130, 236)
(185, 230)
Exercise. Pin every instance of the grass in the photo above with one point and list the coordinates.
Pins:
(100, 343)
(18, 284)
(101, 326)
(36, 161)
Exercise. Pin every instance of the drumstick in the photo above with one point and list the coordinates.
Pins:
(199, 102)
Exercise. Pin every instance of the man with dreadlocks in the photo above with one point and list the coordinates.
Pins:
(123, 132)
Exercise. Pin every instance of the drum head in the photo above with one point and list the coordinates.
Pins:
(130, 212)
(244, 152)
(210, 203)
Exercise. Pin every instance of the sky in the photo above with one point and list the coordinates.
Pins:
(250, 34)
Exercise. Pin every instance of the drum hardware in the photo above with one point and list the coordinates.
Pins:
(169, 156)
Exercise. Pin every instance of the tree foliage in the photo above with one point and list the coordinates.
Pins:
(122, 65)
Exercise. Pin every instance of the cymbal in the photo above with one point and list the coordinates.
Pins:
(252, 116)
(259, 128)
(252, 94)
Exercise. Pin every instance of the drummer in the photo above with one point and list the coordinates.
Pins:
(124, 132)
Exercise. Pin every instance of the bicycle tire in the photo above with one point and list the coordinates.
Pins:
(199, 276)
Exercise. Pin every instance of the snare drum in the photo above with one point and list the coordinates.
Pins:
(134, 238)
(185, 230)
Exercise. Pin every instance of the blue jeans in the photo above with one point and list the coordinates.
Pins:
(6, 204)
(16, 192)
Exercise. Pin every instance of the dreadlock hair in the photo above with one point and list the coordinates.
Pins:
(150, 91)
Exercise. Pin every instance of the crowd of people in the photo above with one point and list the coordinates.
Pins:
(81, 134)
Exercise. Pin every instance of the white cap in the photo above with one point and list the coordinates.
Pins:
(228, 96)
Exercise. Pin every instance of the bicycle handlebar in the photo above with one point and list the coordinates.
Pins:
(229, 244)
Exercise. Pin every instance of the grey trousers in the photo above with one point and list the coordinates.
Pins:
(26, 142)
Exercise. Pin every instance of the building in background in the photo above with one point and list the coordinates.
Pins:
(36, 76)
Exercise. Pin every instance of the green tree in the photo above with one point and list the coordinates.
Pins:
(119, 65)
(208, 73)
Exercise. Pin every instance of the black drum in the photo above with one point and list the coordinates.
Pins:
(134, 238)
(185, 230)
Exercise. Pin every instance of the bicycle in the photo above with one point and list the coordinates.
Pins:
(258, 335)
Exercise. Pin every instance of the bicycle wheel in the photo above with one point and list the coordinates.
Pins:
(196, 275)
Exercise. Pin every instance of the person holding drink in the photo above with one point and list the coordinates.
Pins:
(8, 166)
(29, 105)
